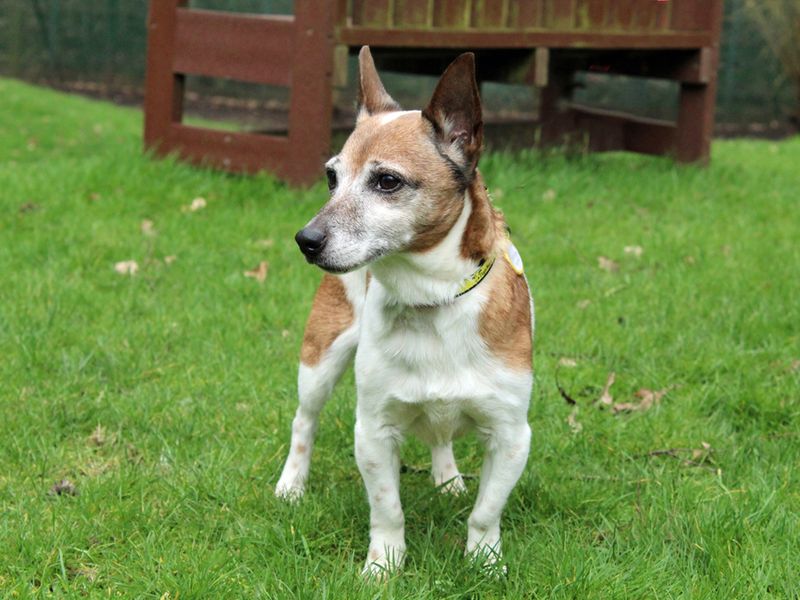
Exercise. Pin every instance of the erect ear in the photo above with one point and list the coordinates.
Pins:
(455, 112)
(372, 96)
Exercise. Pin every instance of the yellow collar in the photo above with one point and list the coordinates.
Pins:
(473, 280)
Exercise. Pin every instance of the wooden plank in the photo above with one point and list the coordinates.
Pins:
(611, 130)
(693, 15)
(560, 14)
(258, 49)
(489, 14)
(525, 15)
(372, 13)
(623, 14)
(356, 36)
(663, 15)
(452, 14)
(591, 13)
(413, 13)
(232, 151)
(542, 67)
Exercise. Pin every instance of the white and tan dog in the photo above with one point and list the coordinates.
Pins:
(426, 289)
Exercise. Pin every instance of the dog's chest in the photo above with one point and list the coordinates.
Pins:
(414, 355)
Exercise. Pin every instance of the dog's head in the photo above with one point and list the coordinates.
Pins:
(399, 183)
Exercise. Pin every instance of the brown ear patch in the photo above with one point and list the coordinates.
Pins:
(485, 224)
(331, 314)
(505, 320)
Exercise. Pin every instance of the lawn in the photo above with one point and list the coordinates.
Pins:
(165, 397)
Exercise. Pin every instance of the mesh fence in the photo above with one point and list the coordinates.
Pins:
(99, 45)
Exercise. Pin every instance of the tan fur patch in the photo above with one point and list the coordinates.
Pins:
(331, 314)
(505, 321)
(407, 141)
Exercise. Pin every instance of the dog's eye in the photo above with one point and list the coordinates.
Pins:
(331, 174)
(388, 183)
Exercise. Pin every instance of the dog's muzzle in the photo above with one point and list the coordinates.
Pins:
(311, 242)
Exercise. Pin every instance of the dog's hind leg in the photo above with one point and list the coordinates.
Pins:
(444, 470)
(329, 343)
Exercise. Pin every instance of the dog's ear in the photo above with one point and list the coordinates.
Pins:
(455, 112)
(372, 96)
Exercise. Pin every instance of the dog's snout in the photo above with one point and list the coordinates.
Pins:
(310, 240)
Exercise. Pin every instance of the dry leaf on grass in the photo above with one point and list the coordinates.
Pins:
(285, 333)
(99, 436)
(647, 399)
(634, 250)
(701, 454)
(168, 260)
(268, 243)
(605, 398)
(259, 273)
(28, 207)
(549, 195)
(583, 304)
(572, 421)
(196, 204)
(147, 228)
(127, 267)
(63, 488)
(607, 264)
(567, 362)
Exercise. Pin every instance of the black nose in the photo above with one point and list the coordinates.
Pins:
(310, 240)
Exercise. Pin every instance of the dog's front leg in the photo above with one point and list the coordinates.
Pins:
(506, 454)
(378, 460)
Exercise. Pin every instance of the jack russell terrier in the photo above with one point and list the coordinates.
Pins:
(424, 286)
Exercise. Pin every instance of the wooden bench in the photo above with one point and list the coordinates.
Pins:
(539, 42)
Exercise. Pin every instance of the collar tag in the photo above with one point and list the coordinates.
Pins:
(513, 258)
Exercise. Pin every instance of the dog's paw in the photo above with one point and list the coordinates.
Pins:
(291, 491)
(381, 565)
(488, 558)
(453, 487)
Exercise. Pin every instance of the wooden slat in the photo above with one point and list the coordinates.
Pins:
(623, 16)
(452, 14)
(525, 15)
(356, 36)
(372, 13)
(613, 130)
(591, 13)
(560, 14)
(489, 14)
(237, 152)
(692, 15)
(258, 49)
(413, 13)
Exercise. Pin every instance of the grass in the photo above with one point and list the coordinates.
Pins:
(166, 397)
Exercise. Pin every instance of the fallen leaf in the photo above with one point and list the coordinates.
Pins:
(795, 365)
(89, 573)
(635, 250)
(168, 260)
(147, 228)
(63, 488)
(196, 204)
(28, 207)
(583, 304)
(99, 436)
(700, 454)
(689, 259)
(94, 197)
(259, 273)
(607, 264)
(268, 243)
(567, 362)
(285, 333)
(549, 195)
(127, 267)
(572, 421)
(605, 398)
(647, 399)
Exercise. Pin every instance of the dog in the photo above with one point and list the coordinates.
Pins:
(425, 288)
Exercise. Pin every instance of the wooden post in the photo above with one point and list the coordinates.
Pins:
(311, 91)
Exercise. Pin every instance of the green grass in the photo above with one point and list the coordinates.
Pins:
(189, 369)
